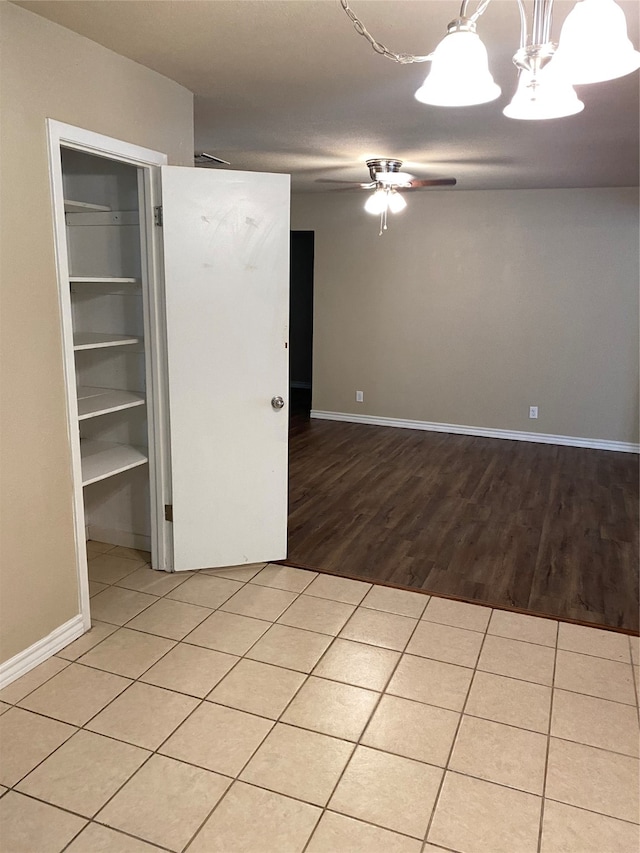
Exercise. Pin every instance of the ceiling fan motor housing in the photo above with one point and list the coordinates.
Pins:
(380, 165)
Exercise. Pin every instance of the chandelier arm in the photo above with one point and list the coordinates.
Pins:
(402, 58)
(547, 21)
(523, 24)
(541, 21)
(482, 5)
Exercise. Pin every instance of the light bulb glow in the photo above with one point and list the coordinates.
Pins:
(544, 94)
(594, 45)
(396, 202)
(377, 202)
(459, 75)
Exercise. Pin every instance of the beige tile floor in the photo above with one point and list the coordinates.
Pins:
(266, 709)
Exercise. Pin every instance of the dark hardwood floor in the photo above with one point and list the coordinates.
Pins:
(542, 528)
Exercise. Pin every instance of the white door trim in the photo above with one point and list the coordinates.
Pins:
(69, 136)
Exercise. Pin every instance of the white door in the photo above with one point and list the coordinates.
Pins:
(226, 255)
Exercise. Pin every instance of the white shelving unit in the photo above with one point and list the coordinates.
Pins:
(102, 459)
(84, 207)
(109, 351)
(80, 279)
(93, 402)
(99, 340)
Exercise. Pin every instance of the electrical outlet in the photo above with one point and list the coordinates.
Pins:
(533, 411)
(359, 397)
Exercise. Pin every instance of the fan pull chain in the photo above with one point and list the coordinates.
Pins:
(383, 221)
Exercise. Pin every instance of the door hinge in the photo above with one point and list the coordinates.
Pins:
(168, 512)
(157, 215)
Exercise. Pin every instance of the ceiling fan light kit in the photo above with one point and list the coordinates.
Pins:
(594, 46)
(386, 180)
(386, 177)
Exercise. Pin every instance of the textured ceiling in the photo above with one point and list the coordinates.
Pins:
(290, 87)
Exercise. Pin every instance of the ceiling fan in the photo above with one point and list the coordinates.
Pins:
(385, 181)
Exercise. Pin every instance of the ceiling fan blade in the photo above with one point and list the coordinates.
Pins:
(433, 182)
(351, 188)
(352, 184)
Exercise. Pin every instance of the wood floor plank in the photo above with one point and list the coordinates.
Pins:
(541, 528)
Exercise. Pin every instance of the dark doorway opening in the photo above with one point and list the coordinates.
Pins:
(301, 322)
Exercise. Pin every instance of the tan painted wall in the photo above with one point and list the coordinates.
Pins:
(475, 305)
(50, 72)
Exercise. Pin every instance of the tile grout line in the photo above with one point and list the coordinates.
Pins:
(46, 681)
(304, 591)
(455, 736)
(93, 822)
(307, 676)
(236, 778)
(175, 642)
(203, 699)
(110, 702)
(358, 742)
(244, 583)
(634, 677)
(291, 725)
(278, 719)
(193, 711)
(546, 758)
(296, 799)
(364, 642)
(375, 583)
(155, 752)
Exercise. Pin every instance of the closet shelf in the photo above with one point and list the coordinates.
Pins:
(85, 279)
(93, 402)
(97, 340)
(83, 206)
(102, 459)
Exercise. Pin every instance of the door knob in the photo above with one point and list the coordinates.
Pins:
(277, 402)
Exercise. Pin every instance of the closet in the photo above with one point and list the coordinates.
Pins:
(108, 307)
(174, 299)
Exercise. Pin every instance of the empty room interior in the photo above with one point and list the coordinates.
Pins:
(320, 430)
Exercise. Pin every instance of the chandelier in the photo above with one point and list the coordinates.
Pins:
(593, 47)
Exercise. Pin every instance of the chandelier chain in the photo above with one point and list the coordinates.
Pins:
(402, 58)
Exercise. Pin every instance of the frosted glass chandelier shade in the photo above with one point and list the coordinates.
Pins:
(594, 45)
(543, 94)
(459, 75)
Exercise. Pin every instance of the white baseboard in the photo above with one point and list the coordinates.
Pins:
(119, 537)
(21, 663)
(459, 429)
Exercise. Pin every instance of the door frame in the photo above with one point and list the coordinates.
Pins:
(148, 162)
